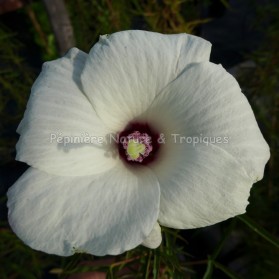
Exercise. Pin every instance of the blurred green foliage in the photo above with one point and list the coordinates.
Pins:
(92, 18)
(41, 30)
(261, 86)
(257, 252)
(16, 79)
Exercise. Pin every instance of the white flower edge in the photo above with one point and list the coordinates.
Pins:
(204, 184)
(56, 113)
(154, 239)
(105, 214)
(126, 70)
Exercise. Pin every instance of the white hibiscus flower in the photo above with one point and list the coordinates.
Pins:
(160, 94)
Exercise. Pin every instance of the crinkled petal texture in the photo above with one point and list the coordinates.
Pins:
(126, 70)
(60, 129)
(104, 214)
(201, 183)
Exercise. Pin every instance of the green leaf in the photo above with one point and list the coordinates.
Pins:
(156, 265)
(259, 230)
(209, 269)
(228, 272)
(148, 265)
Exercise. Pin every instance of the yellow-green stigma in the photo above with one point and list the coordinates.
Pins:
(137, 146)
(135, 149)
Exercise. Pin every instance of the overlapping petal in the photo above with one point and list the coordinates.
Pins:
(104, 214)
(126, 70)
(154, 239)
(202, 184)
(206, 185)
(61, 133)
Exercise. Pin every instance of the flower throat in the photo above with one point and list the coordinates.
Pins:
(138, 144)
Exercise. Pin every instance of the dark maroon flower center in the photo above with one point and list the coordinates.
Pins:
(138, 144)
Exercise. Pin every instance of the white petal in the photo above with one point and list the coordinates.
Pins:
(104, 214)
(58, 114)
(202, 185)
(206, 101)
(126, 70)
(206, 185)
(154, 239)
